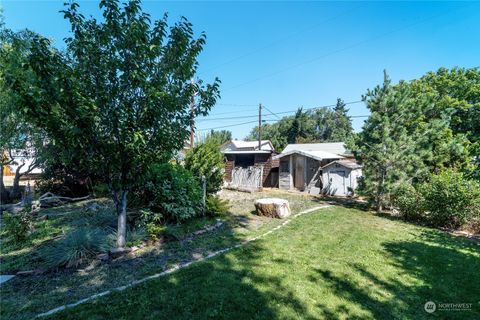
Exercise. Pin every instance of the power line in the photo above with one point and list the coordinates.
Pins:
(276, 114)
(381, 35)
(236, 105)
(273, 114)
(280, 40)
(232, 125)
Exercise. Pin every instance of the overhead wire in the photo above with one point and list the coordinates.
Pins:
(281, 40)
(380, 35)
(277, 113)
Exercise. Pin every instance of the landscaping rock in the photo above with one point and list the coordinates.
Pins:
(272, 207)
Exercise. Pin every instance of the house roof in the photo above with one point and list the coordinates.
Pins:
(237, 146)
(345, 163)
(331, 147)
(317, 155)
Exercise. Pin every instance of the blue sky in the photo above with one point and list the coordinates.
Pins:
(291, 54)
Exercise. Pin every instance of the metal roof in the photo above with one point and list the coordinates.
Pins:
(331, 147)
(240, 145)
(345, 163)
(317, 155)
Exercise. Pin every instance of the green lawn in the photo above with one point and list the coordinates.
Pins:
(25, 297)
(333, 263)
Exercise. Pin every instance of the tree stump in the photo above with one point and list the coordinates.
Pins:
(272, 207)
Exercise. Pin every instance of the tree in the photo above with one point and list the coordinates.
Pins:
(119, 99)
(298, 130)
(206, 160)
(220, 136)
(19, 140)
(342, 123)
(316, 125)
(456, 91)
(405, 138)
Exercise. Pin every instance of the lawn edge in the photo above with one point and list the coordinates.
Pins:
(177, 267)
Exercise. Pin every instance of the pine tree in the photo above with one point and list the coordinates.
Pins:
(385, 147)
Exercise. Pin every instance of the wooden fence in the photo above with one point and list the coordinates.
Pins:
(247, 179)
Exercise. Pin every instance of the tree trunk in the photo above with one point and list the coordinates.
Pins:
(2, 188)
(122, 219)
(15, 194)
(380, 192)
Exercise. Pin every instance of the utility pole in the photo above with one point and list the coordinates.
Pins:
(260, 126)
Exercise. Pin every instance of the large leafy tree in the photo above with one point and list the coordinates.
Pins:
(315, 125)
(19, 141)
(119, 99)
(456, 91)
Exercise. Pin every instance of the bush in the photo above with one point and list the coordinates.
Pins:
(409, 202)
(451, 200)
(171, 191)
(207, 160)
(75, 248)
(18, 226)
(215, 206)
(155, 231)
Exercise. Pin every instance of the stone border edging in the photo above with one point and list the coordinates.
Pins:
(177, 267)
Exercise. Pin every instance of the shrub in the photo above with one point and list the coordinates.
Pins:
(146, 216)
(173, 192)
(409, 202)
(155, 231)
(207, 160)
(18, 226)
(215, 206)
(75, 248)
(451, 200)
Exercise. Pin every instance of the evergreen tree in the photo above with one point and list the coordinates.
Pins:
(384, 147)
(342, 123)
(402, 140)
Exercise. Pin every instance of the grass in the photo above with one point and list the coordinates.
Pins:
(24, 297)
(62, 220)
(336, 263)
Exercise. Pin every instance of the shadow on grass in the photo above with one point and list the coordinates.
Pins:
(436, 268)
(226, 287)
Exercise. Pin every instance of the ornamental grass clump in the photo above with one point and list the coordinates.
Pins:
(75, 249)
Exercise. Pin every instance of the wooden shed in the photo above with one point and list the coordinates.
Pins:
(340, 178)
(251, 160)
(302, 168)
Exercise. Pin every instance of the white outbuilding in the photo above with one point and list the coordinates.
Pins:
(340, 177)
